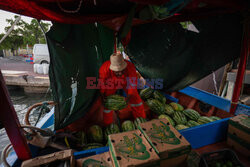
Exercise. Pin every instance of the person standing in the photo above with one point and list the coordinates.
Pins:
(116, 74)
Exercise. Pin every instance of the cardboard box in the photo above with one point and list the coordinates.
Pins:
(131, 149)
(240, 127)
(168, 143)
(50, 158)
(103, 160)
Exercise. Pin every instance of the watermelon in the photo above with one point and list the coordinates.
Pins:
(169, 110)
(128, 126)
(139, 120)
(159, 96)
(204, 120)
(81, 138)
(179, 118)
(214, 118)
(92, 146)
(111, 129)
(146, 93)
(180, 127)
(191, 114)
(192, 123)
(156, 106)
(95, 134)
(170, 120)
(176, 106)
(115, 102)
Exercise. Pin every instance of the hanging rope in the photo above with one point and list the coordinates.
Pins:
(70, 11)
(115, 44)
(42, 106)
(43, 109)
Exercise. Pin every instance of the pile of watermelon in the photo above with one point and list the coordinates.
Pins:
(92, 139)
(97, 136)
(175, 113)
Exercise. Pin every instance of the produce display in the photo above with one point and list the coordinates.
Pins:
(169, 110)
(92, 146)
(95, 134)
(159, 96)
(156, 106)
(170, 120)
(192, 123)
(180, 118)
(191, 114)
(111, 129)
(175, 113)
(146, 93)
(204, 120)
(214, 118)
(128, 126)
(176, 106)
(115, 102)
(180, 127)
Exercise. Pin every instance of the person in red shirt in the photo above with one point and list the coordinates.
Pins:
(115, 74)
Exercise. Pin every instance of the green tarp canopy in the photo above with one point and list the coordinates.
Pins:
(159, 50)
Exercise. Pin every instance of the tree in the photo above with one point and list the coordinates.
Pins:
(32, 32)
(15, 38)
(24, 33)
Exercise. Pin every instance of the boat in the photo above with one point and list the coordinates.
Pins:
(190, 60)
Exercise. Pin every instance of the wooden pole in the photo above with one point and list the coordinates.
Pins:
(241, 69)
(11, 123)
(224, 78)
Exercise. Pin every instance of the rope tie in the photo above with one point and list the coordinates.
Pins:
(70, 11)
(115, 44)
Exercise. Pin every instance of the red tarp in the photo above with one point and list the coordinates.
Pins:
(111, 12)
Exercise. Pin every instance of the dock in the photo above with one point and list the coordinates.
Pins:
(18, 72)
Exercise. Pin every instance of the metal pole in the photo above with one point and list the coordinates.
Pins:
(11, 123)
(241, 69)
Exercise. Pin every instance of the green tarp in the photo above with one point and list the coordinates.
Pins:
(76, 52)
(165, 51)
(180, 56)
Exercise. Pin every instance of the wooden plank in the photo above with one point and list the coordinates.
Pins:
(230, 89)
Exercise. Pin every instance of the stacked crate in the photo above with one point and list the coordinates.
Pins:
(154, 143)
(239, 133)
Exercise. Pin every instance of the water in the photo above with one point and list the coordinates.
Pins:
(22, 102)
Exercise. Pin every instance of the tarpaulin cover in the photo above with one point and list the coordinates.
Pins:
(180, 56)
(76, 52)
(161, 50)
(90, 11)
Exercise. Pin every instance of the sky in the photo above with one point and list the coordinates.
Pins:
(8, 15)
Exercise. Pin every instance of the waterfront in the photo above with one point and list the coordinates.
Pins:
(22, 102)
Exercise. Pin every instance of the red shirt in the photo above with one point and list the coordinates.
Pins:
(112, 82)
